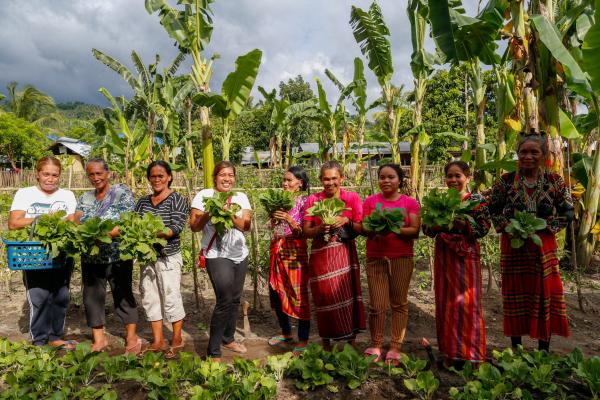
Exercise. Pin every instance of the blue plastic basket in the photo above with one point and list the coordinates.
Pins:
(29, 256)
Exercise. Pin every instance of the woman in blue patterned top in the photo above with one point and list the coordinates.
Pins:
(107, 202)
(160, 281)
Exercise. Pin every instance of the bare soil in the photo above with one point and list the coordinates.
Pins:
(585, 329)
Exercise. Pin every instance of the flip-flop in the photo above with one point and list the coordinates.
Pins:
(373, 351)
(297, 352)
(278, 341)
(173, 350)
(149, 349)
(67, 345)
(392, 358)
(136, 348)
(236, 347)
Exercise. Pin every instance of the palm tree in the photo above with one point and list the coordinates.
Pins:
(31, 104)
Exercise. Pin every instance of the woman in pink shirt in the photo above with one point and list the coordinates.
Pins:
(333, 265)
(390, 263)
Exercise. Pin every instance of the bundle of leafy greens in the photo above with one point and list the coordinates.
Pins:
(16, 235)
(522, 227)
(277, 200)
(327, 210)
(92, 234)
(221, 215)
(57, 234)
(441, 207)
(385, 219)
(138, 237)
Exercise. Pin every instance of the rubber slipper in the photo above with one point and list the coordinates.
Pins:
(373, 351)
(277, 341)
(151, 350)
(136, 348)
(392, 358)
(236, 347)
(173, 350)
(298, 351)
(67, 345)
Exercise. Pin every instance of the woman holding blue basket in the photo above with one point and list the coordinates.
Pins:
(47, 290)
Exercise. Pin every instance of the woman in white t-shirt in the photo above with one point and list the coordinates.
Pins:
(226, 259)
(47, 290)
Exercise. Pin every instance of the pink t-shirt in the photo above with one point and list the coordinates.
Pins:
(390, 245)
(351, 199)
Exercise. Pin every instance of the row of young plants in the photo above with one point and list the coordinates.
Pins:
(29, 372)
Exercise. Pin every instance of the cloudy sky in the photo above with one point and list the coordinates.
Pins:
(47, 43)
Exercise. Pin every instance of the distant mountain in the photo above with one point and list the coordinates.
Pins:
(80, 110)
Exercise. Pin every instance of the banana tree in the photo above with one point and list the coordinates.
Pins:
(146, 86)
(356, 92)
(329, 118)
(234, 96)
(472, 41)
(192, 29)
(129, 145)
(371, 33)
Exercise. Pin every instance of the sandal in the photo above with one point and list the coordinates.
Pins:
(135, 349)
(373, 351)
(279, 341)
(236, 347)
(393, 358)
(297, 352)
(173, 350)
(65, 345)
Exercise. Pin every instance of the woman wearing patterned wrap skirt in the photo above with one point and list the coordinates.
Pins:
(333, 265)
(459, 320)
(532, 290)
(288, 272)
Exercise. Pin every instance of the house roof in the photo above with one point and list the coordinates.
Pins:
(249, 159)
(73, 146)
(368, 147)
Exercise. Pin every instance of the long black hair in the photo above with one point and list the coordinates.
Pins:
(300, 173)
(397, 168)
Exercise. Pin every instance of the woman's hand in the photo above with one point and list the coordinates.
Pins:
(114, 232)
(282, 216)
(340, 221)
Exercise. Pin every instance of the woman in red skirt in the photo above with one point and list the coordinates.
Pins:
(457, 276)
(532, 290)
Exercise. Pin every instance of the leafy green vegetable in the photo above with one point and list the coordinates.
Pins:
(57, 234)
(385, 219)
(327, 210)
(221, 216)
(138, 237)
(92, 233)
(16, 235)
(522, 227)
(277, 200)
(441, 208)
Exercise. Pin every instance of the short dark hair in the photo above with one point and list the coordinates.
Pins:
(163, 164)
(333, 164)
(397, 168)
(464, 167)
(221, 165)
(300, 174)
(97, 160)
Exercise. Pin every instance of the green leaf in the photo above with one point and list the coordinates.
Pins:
(371, 32)
(591, 51)
(536, 239)
(552, 40)
(238, 85)
(567, 129)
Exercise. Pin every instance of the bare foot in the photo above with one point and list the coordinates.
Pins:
(99, 345)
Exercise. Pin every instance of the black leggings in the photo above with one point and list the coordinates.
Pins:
(284, 319)
(118, 275)
(227, 278)
(542, 344)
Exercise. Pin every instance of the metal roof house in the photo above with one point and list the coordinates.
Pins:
(77, 149)
(374, 151)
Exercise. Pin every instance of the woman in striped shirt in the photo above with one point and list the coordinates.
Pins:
(160, 281)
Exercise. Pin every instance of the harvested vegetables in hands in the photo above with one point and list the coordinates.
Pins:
(441, 207)
(221, 216)
(522, 227)
(57, 234)
(327, 210)
(92, 233)
(277, 200)
(385, 220)
(138, 237)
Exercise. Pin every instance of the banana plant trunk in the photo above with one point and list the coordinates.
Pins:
(333, 138)
(151, 124)
(279, 149)
(226, 140)
(480, 158)
(420, 87)
(360, 133)
(288, 149)
(501, 148)
(208, 161)
(586, 241)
